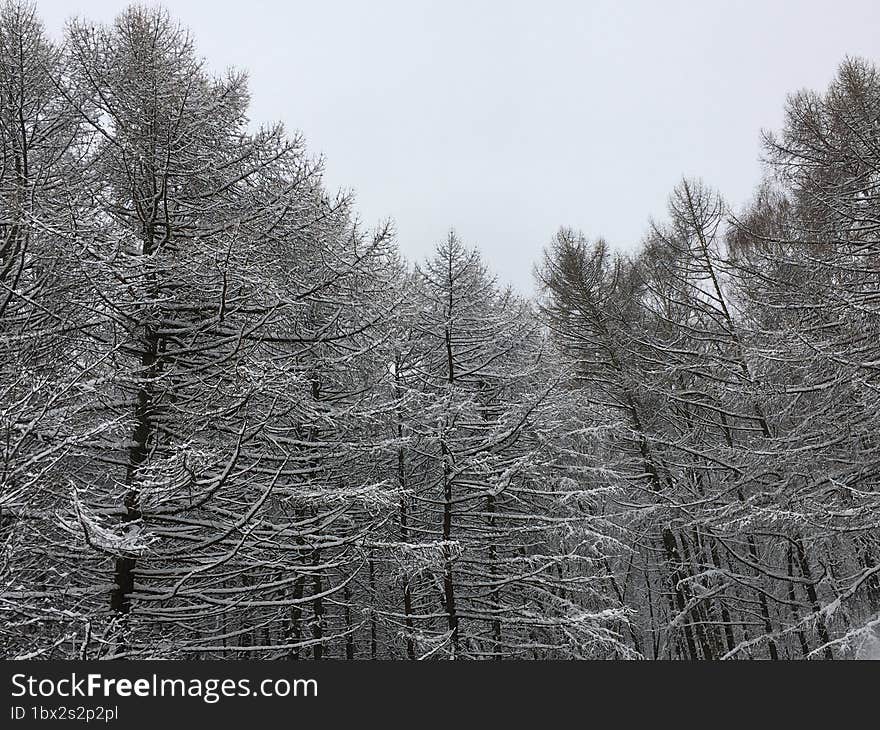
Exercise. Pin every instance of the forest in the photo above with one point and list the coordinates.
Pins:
(235, 423)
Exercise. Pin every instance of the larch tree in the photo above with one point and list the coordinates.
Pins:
(514, 573)
(46, 370)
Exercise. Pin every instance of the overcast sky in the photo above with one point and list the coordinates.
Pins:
(506, 120)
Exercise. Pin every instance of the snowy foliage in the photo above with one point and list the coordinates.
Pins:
(236, 424)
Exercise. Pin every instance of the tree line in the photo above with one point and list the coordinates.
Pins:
(234, 423)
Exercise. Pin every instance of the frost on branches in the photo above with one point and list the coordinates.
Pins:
(236, 424)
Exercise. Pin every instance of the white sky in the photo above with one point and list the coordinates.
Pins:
(509, 119)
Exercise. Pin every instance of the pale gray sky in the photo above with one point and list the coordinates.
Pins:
(509, 119)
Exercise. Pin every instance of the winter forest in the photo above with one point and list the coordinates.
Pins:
(235, 423)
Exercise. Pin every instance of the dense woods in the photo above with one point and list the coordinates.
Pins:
(234, 423)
